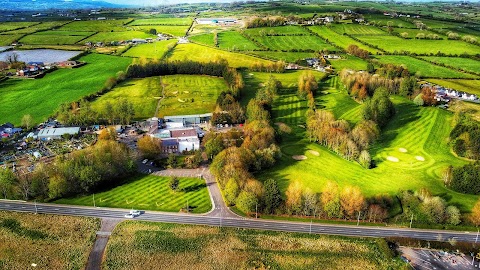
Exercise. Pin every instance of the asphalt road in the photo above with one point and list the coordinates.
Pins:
(238, 222)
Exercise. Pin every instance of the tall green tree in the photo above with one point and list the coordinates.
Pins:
(7, 182)
(272, 196)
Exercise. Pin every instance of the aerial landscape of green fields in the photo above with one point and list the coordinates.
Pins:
(240, 135)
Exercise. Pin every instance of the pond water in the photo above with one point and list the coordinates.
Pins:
(4, 48)
(41, 55)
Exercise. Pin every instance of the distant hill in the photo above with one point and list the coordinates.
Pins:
(35, 5)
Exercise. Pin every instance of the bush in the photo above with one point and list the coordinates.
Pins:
(246, 202)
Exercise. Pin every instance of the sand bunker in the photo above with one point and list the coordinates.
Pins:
(302, 126)
(313, 152)
(403, 150)
(181, 100)
(299, 157)
(392, 159)
(186, 92)
(176, 92)
(420, 158)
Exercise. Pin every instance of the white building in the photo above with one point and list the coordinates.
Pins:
(57, 133)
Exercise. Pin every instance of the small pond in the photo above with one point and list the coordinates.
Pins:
(40, 55)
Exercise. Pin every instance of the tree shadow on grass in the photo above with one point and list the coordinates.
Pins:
(193, 188)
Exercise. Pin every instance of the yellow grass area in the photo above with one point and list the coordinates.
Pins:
(142, 245)
(202, 53)
(49, 241)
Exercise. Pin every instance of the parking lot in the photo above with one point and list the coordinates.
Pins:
(423, 259)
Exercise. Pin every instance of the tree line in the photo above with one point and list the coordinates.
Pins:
(236, 156)
(105, 164)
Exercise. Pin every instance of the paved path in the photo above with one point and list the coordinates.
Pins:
(96, 255)
(219, 208)
(247, 223)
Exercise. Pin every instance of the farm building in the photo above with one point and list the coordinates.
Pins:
(178, 140)
(57, 133)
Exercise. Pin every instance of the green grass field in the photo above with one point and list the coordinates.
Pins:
(9, 26)
(295, 42)
(234, 41)
(291, 57)
(179, 90)
(422, 68)
(358, 30)
(149, 192)
(201, 53)
(338, 39)
(412, 33)
(155, 50)
(283, 30)
(37, 27)
(174, 30)
(469, 86)
(423, 132)
(42, 97)
(148, 245)
(55, 37)
(457, 62)
(420, 46)
(8, 39)
(96, 26)
(206, 39)
(382, 20)
(162, 21)
(118, 36)
(349, 62)
(49, 241)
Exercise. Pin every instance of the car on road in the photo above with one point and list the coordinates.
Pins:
(145, 161)
(135, 212)
(129, 215)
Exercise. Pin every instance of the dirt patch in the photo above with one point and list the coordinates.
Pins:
(419, 158)
(313, 152)
(299, 157)
(403, 150)
(392, 159)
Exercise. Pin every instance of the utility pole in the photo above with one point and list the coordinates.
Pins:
(188, 209)
(310, 226)
(256, 210)
(476, 238)
(94, 200)
(36, 211)
(358, 219)
(411, 220)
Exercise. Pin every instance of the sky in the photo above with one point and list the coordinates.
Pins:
(160, 2)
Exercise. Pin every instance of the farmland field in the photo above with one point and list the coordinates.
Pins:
(392, 44)
(422, 131)
(162, 21)
(41, 98)
(338, 39)
(382, 20)
(118, 36)
(179, 92)
(55, 37)
(206, 39)
(279, 30)
(457, 62)
(358, 30)
(295, 42)
(9, 39)
(149, 192)
(36, 27)
(348, 62)
(234, 41)
(96, 26)
(8, 26)
(49, 241)
(422, 68)
(154, 50)
(284, 56)
(201, 53)
(174, 30)
(470, 86)
(144, 245)
(412, 33)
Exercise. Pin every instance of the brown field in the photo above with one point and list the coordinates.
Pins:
(49, 241)
(142, 245)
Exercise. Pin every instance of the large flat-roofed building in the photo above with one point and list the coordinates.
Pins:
(57, 133)
(188, 120)
(214, 21)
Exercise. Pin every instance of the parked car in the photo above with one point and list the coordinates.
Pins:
(135, 212)
(145, 161)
